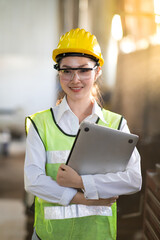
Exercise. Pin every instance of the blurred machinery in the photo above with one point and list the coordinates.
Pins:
(11, 128)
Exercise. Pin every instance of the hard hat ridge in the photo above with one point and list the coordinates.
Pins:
(78, 41)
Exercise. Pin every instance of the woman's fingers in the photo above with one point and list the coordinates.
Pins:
(112, 200)
(68, 177)
(102, 202)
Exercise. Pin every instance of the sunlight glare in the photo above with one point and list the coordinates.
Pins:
(157, 11)
(116, 28)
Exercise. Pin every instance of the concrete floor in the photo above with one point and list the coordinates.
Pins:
(15, 224)
(13, 219)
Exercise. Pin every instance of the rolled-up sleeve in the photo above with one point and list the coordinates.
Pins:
(113, 184)
(35, 179)
(90, 188)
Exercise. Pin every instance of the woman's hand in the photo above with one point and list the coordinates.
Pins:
(67, 177)
(80, 199)
(102, 202)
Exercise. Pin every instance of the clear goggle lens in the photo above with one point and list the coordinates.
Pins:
(82, 73)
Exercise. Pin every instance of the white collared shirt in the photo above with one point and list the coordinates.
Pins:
(69, 122)
(95, 186)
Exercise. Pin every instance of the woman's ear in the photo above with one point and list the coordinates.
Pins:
(98, 72)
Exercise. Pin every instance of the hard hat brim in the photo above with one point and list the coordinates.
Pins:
(57, 52)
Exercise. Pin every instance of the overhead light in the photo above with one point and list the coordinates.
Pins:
(116, 28)
(157, 11)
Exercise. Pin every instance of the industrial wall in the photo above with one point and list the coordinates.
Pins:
(29, 32)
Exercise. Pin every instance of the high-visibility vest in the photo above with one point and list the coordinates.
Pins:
(75, 221)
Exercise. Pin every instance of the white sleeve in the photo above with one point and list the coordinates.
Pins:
(35, 178)
(115, 184)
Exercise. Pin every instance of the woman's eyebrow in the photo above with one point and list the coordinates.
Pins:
(80, 66)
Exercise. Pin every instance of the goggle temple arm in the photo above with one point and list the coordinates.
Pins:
(56, 66)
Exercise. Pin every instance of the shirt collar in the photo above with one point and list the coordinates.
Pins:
(64, 107)
(98, 112)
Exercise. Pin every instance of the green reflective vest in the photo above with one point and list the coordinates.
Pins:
(75, 221)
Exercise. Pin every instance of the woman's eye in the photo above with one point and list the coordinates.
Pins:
(85, 70)
(66, 71)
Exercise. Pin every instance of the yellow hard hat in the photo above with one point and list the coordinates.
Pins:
(78, 41)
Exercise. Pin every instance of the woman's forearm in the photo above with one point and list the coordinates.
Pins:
(80, 199)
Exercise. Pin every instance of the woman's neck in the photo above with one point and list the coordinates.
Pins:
(81, 109)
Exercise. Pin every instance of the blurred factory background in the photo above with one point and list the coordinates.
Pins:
(129, 34)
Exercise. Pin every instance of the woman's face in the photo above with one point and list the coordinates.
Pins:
(77, 84)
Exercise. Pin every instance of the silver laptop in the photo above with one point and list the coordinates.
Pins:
(98, 149)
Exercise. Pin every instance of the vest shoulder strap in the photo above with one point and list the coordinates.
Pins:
(113, 120)
(38, 120)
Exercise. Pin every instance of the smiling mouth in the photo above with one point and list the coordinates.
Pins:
(76, 89)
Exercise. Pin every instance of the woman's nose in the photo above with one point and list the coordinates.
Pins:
(75, 76)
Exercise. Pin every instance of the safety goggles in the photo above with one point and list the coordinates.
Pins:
(67, 74)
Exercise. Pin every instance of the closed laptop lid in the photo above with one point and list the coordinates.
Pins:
(98, 149)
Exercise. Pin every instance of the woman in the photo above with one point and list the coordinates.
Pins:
(69, 206)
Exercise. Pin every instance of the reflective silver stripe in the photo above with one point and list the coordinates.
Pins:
(57, 156)
(75, 211)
